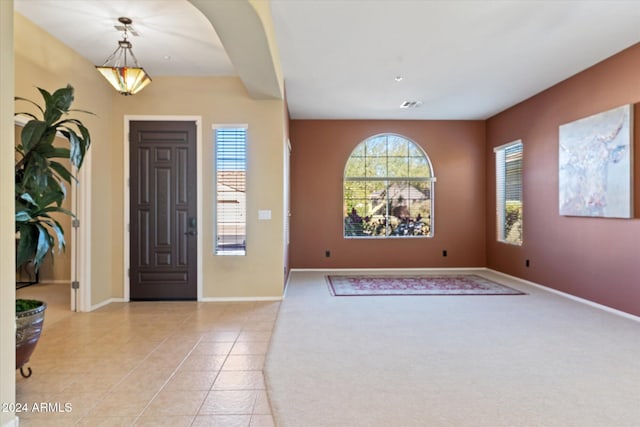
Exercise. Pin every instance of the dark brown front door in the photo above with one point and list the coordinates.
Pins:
(163, 229)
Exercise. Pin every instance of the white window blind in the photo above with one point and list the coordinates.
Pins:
(509, 193)
(231, 198)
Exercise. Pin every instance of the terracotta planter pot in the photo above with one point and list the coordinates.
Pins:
(28, 328)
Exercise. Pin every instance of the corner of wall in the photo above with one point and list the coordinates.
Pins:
(7, 234)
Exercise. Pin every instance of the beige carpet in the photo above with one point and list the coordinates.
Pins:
(534, 360)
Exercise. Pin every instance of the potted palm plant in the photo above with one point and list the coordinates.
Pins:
(40, 189)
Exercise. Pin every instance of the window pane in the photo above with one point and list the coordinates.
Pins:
(358, 151)
(415, 151)
(409, 209)
(353, 220)
(420, 190)
(230, 166)
(418, 166)
(376, 226)
(377, 196)
(399, 167)
(378, 204)
(398, 146)
(509, 193)
(355, 167)
(376, 167)
(376, 147)
(355, 190)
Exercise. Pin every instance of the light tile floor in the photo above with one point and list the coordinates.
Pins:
(152, 364)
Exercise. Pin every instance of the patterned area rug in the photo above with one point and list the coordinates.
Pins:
(467, 284)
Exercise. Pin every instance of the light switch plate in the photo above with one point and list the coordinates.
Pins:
(264, 215)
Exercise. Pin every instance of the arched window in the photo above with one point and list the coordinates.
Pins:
(388, 189)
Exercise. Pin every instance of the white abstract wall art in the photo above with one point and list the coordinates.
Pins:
(596, 164)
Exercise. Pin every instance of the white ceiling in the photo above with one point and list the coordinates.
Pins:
(167, 28)
(461, 59)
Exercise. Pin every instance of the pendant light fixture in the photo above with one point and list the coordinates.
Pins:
(125, 79)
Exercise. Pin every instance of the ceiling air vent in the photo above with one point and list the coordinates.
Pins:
(411, 104)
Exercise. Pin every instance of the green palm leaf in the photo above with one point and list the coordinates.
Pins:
(40, 181)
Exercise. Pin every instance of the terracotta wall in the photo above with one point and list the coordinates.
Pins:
(593, 258)
(320, 150)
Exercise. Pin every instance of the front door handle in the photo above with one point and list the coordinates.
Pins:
(191, 233)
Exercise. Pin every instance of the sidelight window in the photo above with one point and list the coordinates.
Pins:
(231, 199)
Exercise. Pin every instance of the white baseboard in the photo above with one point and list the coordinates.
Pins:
(391, 270)
(566, 295)
(286, 285)
(206, 299)
(54, 282)
(106, 302)
(238, 299)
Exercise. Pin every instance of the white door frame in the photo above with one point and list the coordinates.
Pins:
(127, 207)
(81, 239)
(287, 207)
